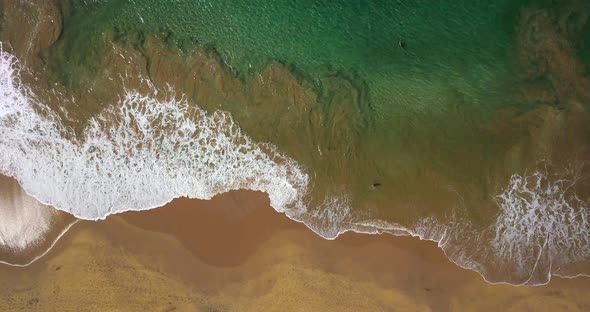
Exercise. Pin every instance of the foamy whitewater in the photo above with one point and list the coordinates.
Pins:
(544, 220)
(142, 152)
(120, 164)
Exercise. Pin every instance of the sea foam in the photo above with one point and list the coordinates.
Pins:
(543, 225)
(139, 153)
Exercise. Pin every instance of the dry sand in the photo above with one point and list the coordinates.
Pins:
(234, 253)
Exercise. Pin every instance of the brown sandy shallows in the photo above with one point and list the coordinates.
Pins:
(235, 253)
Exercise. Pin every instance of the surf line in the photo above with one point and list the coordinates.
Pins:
(45, 252)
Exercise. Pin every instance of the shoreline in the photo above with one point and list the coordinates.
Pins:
(54, 242)
(394, 232)
(233, 253)
(29, 229)
(225, 86)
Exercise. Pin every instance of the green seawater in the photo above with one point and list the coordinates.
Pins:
(454, 72)
(439, 124)
(427, 105)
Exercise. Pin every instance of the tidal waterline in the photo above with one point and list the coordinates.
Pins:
(423, 137)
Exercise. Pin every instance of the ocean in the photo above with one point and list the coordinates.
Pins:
(461, 122)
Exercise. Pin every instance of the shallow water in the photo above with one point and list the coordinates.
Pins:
(473, 134)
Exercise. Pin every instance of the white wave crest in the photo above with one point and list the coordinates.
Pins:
(138, 154)
(542, 223)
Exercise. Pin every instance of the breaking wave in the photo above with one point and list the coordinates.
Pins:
(119, 165)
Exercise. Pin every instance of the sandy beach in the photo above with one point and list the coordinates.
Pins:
(235, 253)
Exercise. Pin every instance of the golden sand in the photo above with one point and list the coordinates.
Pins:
(235, 253)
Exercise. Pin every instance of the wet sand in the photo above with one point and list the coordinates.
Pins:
(28, 228)
(235, 253)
